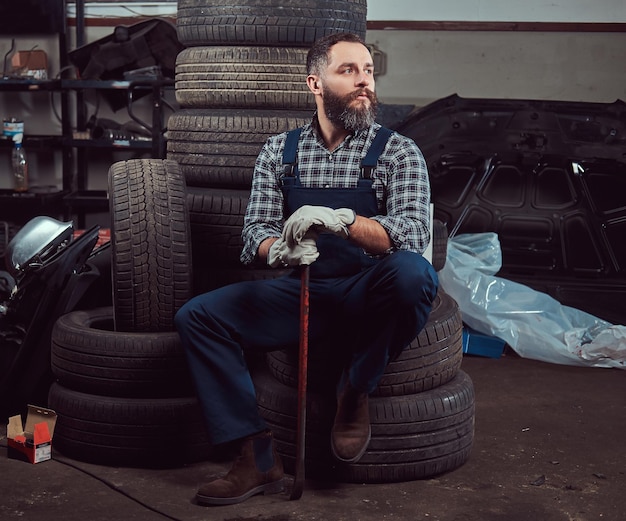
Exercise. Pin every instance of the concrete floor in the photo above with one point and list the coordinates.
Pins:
(549, 446)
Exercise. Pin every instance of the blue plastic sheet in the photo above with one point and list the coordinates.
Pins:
(532, 323)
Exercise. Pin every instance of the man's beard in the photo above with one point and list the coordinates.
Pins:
(340, 111)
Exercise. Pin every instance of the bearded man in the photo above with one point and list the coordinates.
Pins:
(351, 199)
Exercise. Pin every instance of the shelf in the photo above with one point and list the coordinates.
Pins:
(145, 83)
(124, 144)
(92, 199)
(27, 84)
(19, 84)
(43, 18)
(36, 142)
(73, 139)
(38, 200)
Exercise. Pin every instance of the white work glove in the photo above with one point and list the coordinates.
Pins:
(281, 254)
(318, 218)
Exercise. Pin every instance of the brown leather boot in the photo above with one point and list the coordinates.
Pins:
(351, 431)
(257, 470)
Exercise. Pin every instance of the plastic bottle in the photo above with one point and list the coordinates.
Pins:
(20, 165)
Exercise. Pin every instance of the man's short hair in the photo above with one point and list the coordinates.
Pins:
(319, 53)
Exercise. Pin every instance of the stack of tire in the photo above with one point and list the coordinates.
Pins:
(123, 394)
(123, 391)
(239, 81)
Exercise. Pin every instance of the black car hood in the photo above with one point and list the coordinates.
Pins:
(549, 177)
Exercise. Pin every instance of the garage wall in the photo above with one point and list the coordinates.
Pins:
(581, 60)
(424, 65)
(499, 10)
(576, 58)
(420, 10)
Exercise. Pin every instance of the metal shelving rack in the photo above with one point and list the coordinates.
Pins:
(33, 18)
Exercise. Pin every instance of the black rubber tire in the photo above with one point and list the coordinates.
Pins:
(151, 246)
(239, 77)
(267, 22)
(216, 220)
(87, 355)
(440, 244)
(433, 358)
(413, 436)
(218, 148)
(216, 217)
(151, 433)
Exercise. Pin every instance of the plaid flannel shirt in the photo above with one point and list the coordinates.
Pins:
(400, 181)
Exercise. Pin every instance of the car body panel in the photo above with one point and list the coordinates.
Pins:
(549, 177)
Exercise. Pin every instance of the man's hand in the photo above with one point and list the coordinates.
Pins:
(281, 254)
(317, 219)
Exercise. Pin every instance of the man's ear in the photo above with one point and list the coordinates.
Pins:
(313, 83)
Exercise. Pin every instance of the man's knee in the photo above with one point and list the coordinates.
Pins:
(414, 277)
(194, 310)
(185, 317)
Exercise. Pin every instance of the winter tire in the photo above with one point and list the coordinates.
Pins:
(267, 22)
(155, 433)
(151, 257)
(89, 356)
(433, 358)
(413, 436)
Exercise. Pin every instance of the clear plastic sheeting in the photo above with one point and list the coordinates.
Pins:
(534, 324)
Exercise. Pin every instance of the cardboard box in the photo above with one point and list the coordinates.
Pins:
(33, 441)
(31, 64)
(475, 343)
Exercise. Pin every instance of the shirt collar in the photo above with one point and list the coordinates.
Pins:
(357, 135)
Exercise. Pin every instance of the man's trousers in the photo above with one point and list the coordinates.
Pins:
(363, 321)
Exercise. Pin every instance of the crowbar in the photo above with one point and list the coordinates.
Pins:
(303, 354)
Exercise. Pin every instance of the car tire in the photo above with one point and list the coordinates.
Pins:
(115, 431)
(218, 148)
(88, 355)
(150, 238)
(252, 77)
(267, 22)
(433, 358)
(414, 436)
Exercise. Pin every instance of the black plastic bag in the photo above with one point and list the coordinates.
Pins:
(149, 44)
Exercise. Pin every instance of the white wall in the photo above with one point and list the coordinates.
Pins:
(499, 10)
(441, 10)
(423, 66)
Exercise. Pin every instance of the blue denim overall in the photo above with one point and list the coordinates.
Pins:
(338, 257)
(363, 310)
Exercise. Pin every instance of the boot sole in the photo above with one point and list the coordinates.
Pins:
(269, 488)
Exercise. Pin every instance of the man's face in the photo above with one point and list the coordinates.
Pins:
(348, 87)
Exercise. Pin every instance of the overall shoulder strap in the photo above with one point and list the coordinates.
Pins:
(376, 148)
(290, 151)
